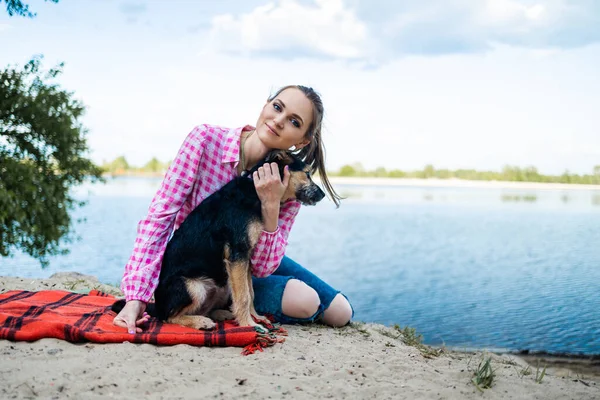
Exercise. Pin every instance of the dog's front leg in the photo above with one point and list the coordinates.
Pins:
(240, 291)
(260, 318)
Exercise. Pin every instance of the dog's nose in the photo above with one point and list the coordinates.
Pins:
(320, 194)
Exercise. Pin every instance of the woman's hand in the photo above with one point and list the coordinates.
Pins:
(270, 190)
(132, 316)
(269, 186)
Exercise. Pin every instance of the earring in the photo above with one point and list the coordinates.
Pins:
(293, 148)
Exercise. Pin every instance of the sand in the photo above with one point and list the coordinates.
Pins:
(360, 361)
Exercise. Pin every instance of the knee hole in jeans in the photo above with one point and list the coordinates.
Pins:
(299, 300)
(339, 312)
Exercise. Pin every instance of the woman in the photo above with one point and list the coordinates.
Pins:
(209, 158)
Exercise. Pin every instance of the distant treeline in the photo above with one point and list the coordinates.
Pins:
(509, 173)
(120, 166)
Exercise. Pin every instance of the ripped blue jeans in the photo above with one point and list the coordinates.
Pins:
(268, 292)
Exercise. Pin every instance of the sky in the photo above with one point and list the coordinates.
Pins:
(454, 83)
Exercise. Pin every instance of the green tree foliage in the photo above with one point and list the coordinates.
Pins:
(380, 172)
(42, 155)
(153, 165)
(118, 165)
(347, 170)
(396, 173)
(355, 169)
(17, 7)
(428, 171)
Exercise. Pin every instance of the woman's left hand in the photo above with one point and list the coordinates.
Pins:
(269, 186)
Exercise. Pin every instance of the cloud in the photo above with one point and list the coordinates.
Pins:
(291, 29)
(433, 27)
(133, 11)
(382, 30)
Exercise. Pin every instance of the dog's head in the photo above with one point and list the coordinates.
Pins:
(301, 186)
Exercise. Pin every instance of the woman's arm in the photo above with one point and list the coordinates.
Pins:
(143, 268)
(277, 218)
(270, 248)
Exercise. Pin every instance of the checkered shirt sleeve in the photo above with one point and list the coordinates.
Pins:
(143, 268)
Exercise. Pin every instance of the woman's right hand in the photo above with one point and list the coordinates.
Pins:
(132, 316)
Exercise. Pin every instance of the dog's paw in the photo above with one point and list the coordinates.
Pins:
(246, 322)
(250, 322)
(194, 321)
(204, 323)
(221, 315)
(261, 319)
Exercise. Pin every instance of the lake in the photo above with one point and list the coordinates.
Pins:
(486, 268)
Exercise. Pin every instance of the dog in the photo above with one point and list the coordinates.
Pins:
(206, 265)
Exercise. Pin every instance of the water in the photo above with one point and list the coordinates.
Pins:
(469, 268)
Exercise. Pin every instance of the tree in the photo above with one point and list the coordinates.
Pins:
(42, 155)
(429, 171)
(380, 172)
(17, 7)
(531, 174)
(118, 165)
(396, 173)
(154, 165)
(566, 177)
(347, 170)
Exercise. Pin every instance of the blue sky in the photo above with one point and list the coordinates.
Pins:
(455, 83)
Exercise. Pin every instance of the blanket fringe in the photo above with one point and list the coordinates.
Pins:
(263, 340)
(266, 339)
(273, 326)
(278, 330)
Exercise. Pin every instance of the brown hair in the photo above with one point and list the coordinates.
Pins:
(314, 153)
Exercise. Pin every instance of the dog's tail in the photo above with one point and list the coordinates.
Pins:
(119, 304)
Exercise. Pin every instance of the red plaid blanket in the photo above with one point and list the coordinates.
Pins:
(29, 316)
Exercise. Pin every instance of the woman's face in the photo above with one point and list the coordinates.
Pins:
(284, 121)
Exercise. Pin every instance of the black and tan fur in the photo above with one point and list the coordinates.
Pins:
(206, 265)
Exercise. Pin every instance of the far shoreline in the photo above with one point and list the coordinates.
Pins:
(458, 183)
(415, 182)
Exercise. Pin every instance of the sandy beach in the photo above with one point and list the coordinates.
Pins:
(357, 361)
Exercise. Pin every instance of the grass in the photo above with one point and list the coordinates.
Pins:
(109, 289)
(79, 284)
(407, 335)
(71, 285)
(361, 328)
(410, 337)
(390, 333)
(484, 374)
(539, 374)
(524, 372)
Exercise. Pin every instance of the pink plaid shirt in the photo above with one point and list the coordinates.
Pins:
(206, 161)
